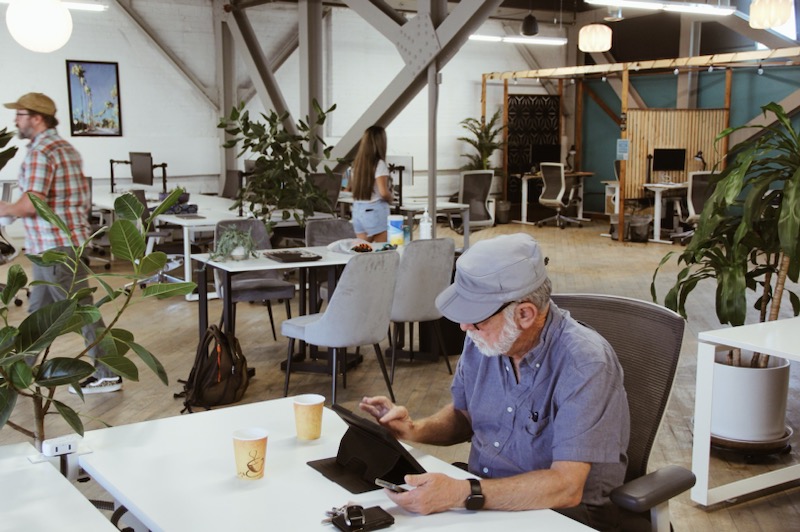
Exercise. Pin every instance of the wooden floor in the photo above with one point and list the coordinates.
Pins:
(580, 261)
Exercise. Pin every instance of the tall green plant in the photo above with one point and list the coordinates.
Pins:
(282, 161)
(748, 235)
(484, 140)
(29, 366)
(8, 153)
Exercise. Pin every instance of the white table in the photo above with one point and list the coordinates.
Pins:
(211, 210)
(567, 175)
(178, 474)
(658, 189)
(775, 338)
(37, 497)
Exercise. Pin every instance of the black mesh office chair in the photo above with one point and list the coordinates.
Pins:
(558, 193)
(474, 191)
(698, 192)
(647, 339)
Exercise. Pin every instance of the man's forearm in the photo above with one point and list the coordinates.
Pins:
(446, 427)
(558, 487)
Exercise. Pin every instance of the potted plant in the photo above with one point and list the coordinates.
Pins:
(235, 244)
(748, 238)
(282, 161)
(485, 141)
(29, 366)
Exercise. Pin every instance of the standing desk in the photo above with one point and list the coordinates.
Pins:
(36, 496)
(567, 175)
(177, 473)
(658, 189)
(775, 338)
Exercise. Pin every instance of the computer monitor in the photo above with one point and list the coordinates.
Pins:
(141, 168)
(669, 159)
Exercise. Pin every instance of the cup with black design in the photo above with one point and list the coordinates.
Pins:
(250, 452)
(308, 416)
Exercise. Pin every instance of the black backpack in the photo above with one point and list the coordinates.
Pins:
(219, 375)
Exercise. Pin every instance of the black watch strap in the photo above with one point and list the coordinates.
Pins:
(476, 500)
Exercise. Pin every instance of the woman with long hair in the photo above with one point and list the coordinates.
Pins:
(372, 192)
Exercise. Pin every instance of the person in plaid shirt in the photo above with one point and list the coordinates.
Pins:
(52, 171)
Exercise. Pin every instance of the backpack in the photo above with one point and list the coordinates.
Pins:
(219, 375)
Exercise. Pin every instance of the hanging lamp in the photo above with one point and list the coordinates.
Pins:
(594, 38)
(765, 14)
(39, 25)
(530, 26)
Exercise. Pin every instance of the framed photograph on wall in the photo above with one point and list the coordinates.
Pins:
(94, 104)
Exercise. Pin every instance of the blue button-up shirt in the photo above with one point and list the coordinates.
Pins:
(569, 405)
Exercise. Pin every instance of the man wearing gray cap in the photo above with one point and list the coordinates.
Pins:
(539, 395)
(52, 171)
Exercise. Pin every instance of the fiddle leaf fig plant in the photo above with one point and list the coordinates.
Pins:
(748, 236)
(32, 363)
(282, 161)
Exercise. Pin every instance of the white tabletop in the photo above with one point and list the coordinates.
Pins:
(261, 263)
(666, 186)
(178, 474)
(37, 497)
(780, 337)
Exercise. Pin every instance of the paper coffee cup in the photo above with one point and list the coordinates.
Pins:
(250, 452)
(308, 415)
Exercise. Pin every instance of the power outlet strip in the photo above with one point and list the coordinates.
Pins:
(61, 445)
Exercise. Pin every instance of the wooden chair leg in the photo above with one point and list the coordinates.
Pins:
(288, 367)
(437, 330)
(271, 320)
(382, 364)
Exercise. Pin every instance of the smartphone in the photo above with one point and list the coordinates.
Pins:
(388, 485)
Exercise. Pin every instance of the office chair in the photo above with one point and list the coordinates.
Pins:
(266, 286)
(699, 191)
(99, 249)
(357, 314)
(426, 267)
(558, 193)
(330, 185)
(158, 240)
(647, 340)
(142, 169)
(474, 190)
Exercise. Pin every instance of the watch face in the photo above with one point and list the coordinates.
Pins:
(475, 502)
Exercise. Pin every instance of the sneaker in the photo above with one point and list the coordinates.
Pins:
(95, 385)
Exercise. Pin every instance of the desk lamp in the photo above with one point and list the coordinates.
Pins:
(699, 157)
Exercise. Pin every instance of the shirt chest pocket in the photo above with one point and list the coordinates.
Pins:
(536, 424)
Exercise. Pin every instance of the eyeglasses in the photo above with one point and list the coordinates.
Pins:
(501, 309)
(23, 114)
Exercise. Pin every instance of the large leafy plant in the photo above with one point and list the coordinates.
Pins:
(30, 367)
(282, 161)
(748, 236)
(484, 140)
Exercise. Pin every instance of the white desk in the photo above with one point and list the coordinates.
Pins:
(178, 474)
(658, 189)
(776, 338)
(568, 175)
(37, 497)
(211, 209)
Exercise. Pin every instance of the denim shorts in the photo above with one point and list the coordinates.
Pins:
(370, 218)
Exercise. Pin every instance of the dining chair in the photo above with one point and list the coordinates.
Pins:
(426, 268)
(647, 340)
(558, 194)
(358, 314)
(266, 286)
(322, 233)
(474, 189)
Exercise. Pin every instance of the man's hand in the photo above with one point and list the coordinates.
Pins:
(432, 493)
(393, 417)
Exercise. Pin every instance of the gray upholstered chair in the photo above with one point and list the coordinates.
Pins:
(474, 191)
(266, 286)
(357, 314)
(647, 339)
(324, 232)
(426, 267)
(558, 193)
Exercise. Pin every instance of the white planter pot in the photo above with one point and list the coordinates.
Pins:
(749, 404)
(239, 253)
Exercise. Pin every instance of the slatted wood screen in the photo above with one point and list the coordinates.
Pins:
(691, 129)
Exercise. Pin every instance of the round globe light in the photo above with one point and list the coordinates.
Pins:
(594, 38)
(39, 25)
(765, 14)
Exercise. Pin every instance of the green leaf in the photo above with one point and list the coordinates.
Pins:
(127, 207)
(45, 212)
(70, 416)
(15, 281)
(164, 290)
(152, 263)
(8, 400)
(38, 330)
(151, 361)
(60, 371)
(7, 336)
(121, 366)
(21, 375)
(127, 243)
(168, 202)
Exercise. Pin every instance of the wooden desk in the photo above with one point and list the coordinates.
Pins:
(527, 177)
(37, 497)
(177, 473)
(775, 338)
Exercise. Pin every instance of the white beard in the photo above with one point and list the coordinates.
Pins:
(508, 336)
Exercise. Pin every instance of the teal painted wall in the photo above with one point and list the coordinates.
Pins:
(749, 92)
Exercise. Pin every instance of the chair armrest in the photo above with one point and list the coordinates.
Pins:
(643, 493)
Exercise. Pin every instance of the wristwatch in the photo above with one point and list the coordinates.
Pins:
(476, 500)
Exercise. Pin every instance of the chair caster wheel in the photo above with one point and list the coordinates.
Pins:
(18, 302)
(562, 226)
(580, 225)
(107, 266)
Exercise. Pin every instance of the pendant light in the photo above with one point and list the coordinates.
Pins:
(39, 25)
(594, 38)
(765, 14)
(530, 26)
